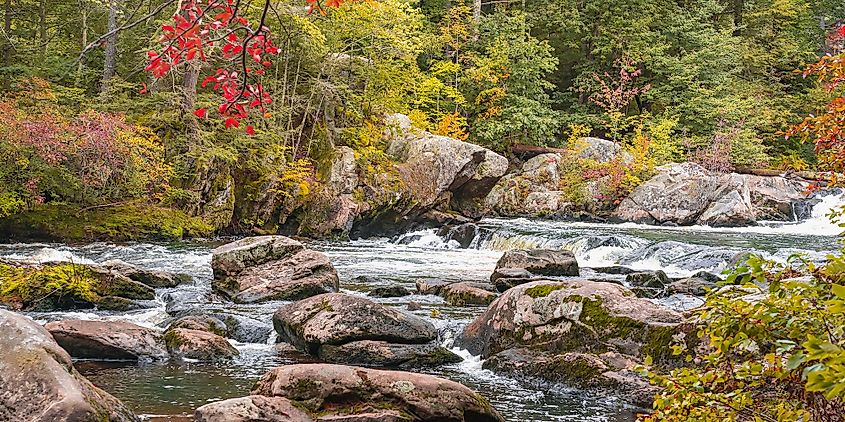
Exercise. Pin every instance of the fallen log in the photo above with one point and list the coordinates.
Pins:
(528, 151)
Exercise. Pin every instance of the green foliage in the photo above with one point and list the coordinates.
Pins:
(506, 84)
(25, 287)
(123, 222)
(772, 348)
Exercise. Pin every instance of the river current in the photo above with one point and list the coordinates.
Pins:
(172, 390)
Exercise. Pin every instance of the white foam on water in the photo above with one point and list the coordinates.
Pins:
(47, 254)
(427, 238)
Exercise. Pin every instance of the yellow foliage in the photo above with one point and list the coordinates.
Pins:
(452, 125)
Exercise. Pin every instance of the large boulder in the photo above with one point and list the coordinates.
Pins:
(263, 268)
(540, 189)
(39, 383)
(108, 340)
(521, 266)
(556, 327)
(438, 167)
(334, 390)
(602, 151)
(533, 191)
(687, 194)
(326, 324)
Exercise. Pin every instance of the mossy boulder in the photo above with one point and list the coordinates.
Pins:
(337, 392)
(573, 315)
(551, 318)
(39, 383)
(70, 224)
(61, 286)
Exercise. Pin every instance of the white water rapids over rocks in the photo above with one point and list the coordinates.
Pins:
(176, 388)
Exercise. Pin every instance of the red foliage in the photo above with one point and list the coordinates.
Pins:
(616, 93)
(243, 50)
(827, 129)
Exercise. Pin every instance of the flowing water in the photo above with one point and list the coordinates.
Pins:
(170, 391)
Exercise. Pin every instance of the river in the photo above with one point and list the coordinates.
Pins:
(170, 391)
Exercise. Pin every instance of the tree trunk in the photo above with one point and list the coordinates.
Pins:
(42, 24)
(189, 99)
(111, 48)
(84, 10)
(476, 11)
(738, 8)
(7, 46)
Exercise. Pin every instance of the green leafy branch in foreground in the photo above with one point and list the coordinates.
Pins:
(772, 348)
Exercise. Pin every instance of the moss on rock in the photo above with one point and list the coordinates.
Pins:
(52, 286)
(136, 221)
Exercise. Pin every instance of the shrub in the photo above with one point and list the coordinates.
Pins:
(773, 348)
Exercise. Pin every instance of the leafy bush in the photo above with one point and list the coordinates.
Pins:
(772, 348)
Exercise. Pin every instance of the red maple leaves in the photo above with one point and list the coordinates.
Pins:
(243, 50)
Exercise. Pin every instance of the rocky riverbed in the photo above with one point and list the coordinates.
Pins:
(449, 288)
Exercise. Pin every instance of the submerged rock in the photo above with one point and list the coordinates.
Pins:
(259, 269)
(198, 345)
(108, 340)
(572, 322)
(374, 395)
(39, 383)
(699, 196)
(390, 291)
(320, 324)
(650, 284)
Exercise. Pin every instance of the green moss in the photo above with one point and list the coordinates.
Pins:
(67, 223)
(53, 285)
(543, 290)
(172, 340)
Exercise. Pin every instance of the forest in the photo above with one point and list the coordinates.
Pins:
(88, 122)
(422, 210)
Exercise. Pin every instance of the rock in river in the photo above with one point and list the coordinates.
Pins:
(368, 333)
(329, 391)
(251, 409)
(468, 293)
(108, 340)
(198, 345)
(518, 266)
(541, 323)
(259, 269)
(39, 383)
